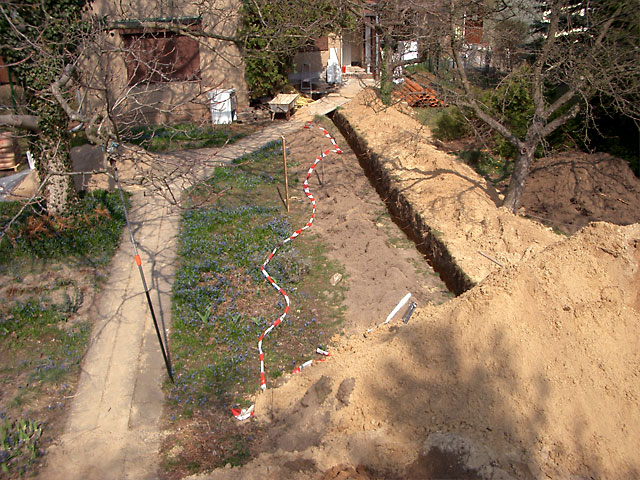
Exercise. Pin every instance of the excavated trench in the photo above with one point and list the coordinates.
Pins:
(402, 211)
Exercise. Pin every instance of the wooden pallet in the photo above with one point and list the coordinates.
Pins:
(418, 96)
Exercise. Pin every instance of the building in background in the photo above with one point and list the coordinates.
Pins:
(162, 59)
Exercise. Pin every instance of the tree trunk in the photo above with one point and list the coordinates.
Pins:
(59, 191)
(386, 77)
(52, 149)
(519, 177)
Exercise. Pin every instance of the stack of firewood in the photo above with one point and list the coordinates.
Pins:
(8, 151)
(418, 96)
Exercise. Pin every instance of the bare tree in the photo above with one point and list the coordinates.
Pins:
(571, 54)
(116, 68)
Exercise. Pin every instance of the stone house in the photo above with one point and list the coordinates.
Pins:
(161, 59)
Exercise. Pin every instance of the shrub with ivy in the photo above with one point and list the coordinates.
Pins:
(39, 38)
(90, 230)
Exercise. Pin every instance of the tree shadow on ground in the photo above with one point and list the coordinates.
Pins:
(487, 402)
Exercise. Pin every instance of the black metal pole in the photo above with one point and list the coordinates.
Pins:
(165, 351)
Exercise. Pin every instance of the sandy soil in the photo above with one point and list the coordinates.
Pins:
(533, 373)
(570, 190)
(380, 262)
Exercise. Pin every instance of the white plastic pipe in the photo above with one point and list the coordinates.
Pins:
(401, 304)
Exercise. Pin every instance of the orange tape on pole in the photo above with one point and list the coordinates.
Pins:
(138, 260)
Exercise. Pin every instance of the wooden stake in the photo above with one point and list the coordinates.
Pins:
(286, 177)
(490, 258)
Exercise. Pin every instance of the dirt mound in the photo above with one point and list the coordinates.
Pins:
(570, 190)
(533, 372)
(459, 205)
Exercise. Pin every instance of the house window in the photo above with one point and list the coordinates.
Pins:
(160, 56)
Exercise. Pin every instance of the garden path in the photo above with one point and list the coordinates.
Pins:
(112, 431)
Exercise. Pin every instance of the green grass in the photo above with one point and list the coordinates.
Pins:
(42, 341)
(18, 443)
(222, 302)
(90, 231)
(40, 354)
(185, 136)
(431, 117)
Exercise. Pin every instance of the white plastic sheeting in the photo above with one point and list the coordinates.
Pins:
(334, 71)
(223, 104)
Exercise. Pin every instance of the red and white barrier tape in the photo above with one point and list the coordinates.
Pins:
(263, 267)
(244, 413)
(319, 351)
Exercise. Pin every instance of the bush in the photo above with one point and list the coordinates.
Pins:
(495, 168)
(512, 103)
(90, 230)
(451, 125)
(266, 73)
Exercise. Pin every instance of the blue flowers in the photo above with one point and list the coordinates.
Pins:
(221, 302)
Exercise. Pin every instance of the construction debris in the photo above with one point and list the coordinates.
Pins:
(418, 96)
(303, 101)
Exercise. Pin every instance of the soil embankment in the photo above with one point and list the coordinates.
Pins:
(532, 373)
(426, 239)
(443, 196)
(569, 190)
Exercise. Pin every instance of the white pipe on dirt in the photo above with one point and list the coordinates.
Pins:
(400, 304)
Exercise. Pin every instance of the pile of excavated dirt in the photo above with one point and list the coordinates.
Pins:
(460, 206)
(532, 373)
(569, 190)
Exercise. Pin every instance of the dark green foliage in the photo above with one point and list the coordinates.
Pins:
(605, 131)
(270, 44)
(273, 32)
(494, 168)
(386, 78)
(512, 104)
(451, 125)
(90, 230)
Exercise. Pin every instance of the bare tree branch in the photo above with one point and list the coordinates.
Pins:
(27, 122)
